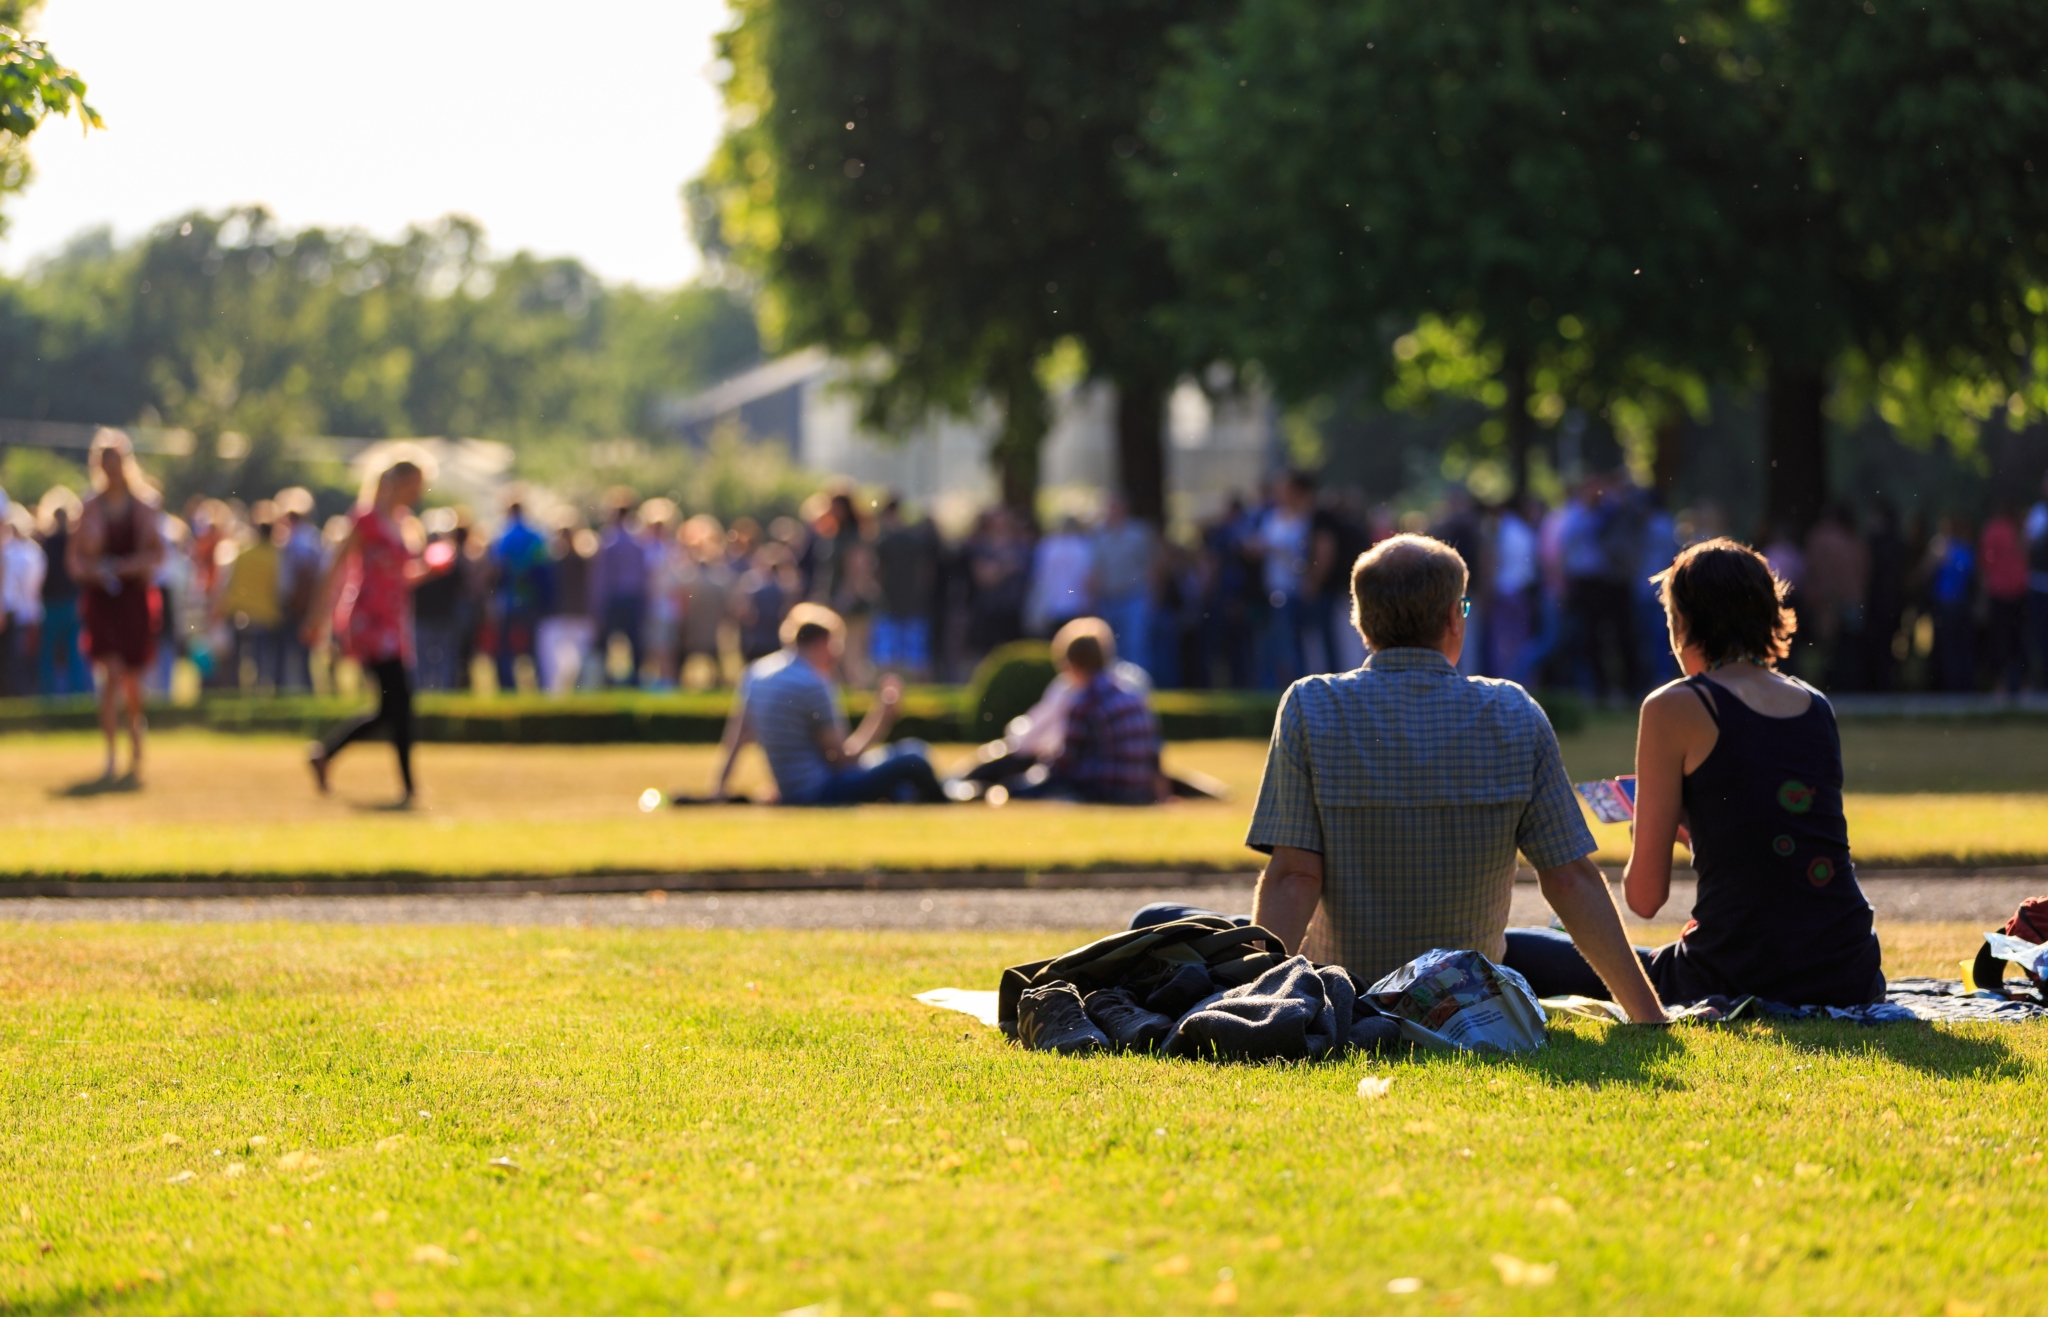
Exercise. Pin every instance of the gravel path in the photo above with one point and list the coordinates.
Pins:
(1986, 901)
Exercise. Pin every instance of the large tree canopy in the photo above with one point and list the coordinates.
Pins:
(1547, 178)
(1606, 196)
(947, 184)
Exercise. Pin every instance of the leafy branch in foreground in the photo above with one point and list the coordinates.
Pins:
(34, 86)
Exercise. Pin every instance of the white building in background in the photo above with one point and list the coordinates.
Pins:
(1219, 442)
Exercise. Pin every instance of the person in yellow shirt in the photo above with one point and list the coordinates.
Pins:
(250, 605)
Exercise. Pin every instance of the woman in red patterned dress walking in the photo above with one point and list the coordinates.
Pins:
(114, 557)
(375, 570)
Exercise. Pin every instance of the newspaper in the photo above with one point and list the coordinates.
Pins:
(1461, 1001)
(1612, 800)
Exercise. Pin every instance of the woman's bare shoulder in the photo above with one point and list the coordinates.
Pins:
(1676, 700)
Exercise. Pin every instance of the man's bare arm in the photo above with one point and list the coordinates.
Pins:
(1578, 892)
(1288, 893)
(729, 745)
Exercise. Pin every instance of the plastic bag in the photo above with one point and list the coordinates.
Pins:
(1460, 1000)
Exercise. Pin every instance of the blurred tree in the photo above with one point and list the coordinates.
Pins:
(247, 335)
(1907, 235)
(1536, 183)
(1608, 203)
(947, 184)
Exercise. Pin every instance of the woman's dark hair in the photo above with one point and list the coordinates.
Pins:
(1724, 598)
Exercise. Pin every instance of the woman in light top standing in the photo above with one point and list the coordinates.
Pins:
(114, 557)
(374, 570)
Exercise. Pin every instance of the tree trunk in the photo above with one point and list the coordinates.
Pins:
(1670, 453)
(1141, 445)
(1020, 444)
(1515, 414)
(1795, 441)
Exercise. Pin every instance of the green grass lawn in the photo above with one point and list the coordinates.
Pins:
(285, 1120)
(244, 806)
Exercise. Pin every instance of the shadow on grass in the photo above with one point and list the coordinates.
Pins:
(1618, 1055)
(1623, 1055)
(1934, 1051)
(96, 786)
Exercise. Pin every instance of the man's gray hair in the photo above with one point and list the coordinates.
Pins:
(1403, 591)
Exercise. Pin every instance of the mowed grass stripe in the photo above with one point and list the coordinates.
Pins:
(719, 1122)
(1888, 832)
(245, 807)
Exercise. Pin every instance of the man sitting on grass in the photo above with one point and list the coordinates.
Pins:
(789, 702)
(1109, 742)
(1396, 796)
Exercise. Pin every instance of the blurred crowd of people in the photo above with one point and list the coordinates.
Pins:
(1254, 598)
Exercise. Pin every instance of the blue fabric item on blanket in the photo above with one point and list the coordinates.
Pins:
(1295, 1011)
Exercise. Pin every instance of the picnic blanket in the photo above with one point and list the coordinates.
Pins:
(1906, 1001)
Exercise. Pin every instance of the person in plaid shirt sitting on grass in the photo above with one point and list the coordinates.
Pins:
(1110, 755)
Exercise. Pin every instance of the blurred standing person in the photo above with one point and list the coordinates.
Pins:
(60, 668)
(178, 604)
(762, 598)
(1462, 529)
(562, 641)
(525, 589)
(668, 565)
(21, 600)
(2002, 559)
(1659, 534)
(1513, 605)
(1952, 588)
(1126, 581)
(907, 570)
(707, 581)
(368, 587)
(248, 603)
(1837, 582)
(473, 618)
(998, 578)
(2037, 584)
(1062, 567)
(1335, 542)
(618, 586)
(300, 561)
(837, 532)
(1599, 555)
(1231, 584)
(114, 556)
(1884, 596)
(1283, 548)
(438, 607)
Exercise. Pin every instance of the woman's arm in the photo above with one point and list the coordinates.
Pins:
(149, 544)
(81, 553)
(1673, 725)
(322, 602)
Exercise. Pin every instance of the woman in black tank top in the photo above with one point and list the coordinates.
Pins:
(1749, 764)
(1758, 762)
(1778, 911)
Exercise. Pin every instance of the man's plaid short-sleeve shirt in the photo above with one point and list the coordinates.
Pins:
(1416, 785)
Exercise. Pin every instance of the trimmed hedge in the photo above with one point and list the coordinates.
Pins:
(952, 714)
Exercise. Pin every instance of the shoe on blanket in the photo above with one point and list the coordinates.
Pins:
(1051, 1019)
(1130, 1026)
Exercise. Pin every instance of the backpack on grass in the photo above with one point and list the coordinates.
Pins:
(1187, 957)
(2020, 942)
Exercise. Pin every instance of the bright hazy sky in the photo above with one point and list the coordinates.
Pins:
(566, 129)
